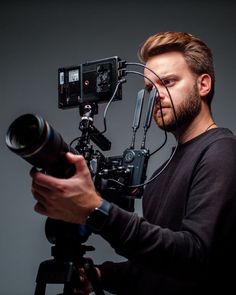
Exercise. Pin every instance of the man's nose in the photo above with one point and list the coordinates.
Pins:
(162, 93)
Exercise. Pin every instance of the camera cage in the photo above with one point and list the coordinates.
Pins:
(85, 86)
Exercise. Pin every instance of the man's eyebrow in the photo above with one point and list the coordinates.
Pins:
(159, 78)
(168, 76)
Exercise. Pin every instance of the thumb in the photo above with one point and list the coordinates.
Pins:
(78, 161)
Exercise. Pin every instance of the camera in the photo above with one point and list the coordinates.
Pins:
(118, 178)
(36, 141)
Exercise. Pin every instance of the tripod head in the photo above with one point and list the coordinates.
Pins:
(68, 253)
(68, 239)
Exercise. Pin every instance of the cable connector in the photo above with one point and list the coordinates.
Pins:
(122, 64)
(121, 73)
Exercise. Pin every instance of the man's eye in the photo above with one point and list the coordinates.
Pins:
(168, 82)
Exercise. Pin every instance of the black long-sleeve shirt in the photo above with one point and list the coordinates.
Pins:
(186, 240)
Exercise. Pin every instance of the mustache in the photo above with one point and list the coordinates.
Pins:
(158, 105)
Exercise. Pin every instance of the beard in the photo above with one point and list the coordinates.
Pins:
(185, 112)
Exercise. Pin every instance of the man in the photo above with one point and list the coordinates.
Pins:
(185, 243)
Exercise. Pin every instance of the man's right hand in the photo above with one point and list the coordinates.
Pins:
(85, 285)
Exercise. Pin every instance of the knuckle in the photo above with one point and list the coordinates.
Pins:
(86, 173)
(62, 188)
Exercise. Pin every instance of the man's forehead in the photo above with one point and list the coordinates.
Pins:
(166, 63)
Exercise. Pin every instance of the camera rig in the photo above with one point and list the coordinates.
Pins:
(119, 179)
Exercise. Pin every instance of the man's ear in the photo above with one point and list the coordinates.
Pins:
(204, 83)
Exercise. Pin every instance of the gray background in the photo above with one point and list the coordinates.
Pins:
(38, 37)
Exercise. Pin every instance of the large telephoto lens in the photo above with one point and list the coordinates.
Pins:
(33, 139)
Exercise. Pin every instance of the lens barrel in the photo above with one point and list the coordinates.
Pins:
(33, 139)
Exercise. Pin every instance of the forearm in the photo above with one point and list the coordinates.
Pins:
(147, 244)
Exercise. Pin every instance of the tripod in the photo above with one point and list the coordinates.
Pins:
(68, 253)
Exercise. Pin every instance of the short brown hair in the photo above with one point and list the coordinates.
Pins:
(197, 54)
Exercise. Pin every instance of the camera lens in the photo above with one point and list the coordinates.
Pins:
(32, 138)
(24, 133)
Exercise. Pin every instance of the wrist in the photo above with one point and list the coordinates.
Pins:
(99, 216)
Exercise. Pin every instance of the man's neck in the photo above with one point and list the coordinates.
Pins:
(199, 125)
